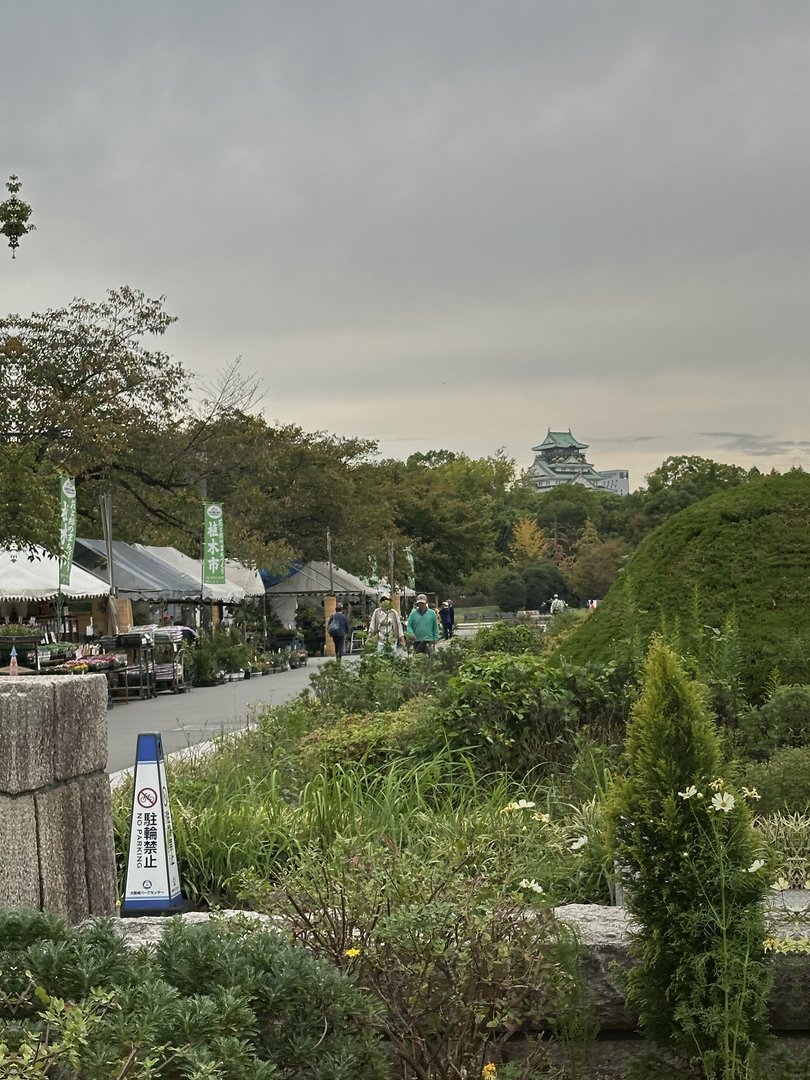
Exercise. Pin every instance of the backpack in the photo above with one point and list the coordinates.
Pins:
(333, 626)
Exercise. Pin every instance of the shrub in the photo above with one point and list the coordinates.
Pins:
(506, 638)
(373, 738)
(228, 1000)
(509, 713)
(459, 964)
(783, 720)
(510, 591)
(783, 781)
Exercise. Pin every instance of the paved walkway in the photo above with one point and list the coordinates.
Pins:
(184, 720)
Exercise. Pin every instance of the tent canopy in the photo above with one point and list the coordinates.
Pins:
(137, 574)
(38, 579)
(229, 593)
(313, 579)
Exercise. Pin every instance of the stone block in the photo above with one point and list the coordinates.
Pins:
(80, 729)
(604, 935)
(99, 845)
(19, 880)
(27, 726)
(60, 834)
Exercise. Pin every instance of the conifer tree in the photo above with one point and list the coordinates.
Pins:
(694, 880)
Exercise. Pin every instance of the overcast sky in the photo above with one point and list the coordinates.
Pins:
(442, 224)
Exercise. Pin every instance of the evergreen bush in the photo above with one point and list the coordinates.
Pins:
(695, 881)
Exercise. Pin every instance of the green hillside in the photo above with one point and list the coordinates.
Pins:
(746, 550)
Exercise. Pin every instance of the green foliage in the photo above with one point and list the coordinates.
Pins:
(745, 552)
(458, 962)
(783, 781)
(375, 737)
(510, 591)
(689, 856)
(782, 720)
(228, 1000)
(511, 638)
(509, 713)
(221, 649)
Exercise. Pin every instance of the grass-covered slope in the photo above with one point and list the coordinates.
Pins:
(746, 550)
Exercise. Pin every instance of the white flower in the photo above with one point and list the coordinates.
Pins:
(757, 864)
(521, 804)
(751, 793)
(690, 791)
(723, 801)
(541, 817)
(535, 886)
(718, 784)
(580, 842)
(781, 884)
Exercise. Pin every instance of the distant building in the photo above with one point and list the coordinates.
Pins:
(560, 459)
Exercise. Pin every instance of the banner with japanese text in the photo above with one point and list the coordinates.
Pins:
(214, 545)
(67, 527)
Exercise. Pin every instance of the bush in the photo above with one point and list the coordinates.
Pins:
(783, 720)
(459, 964)
(783, 781)
(505, 638)
(510, 592)
(373, 738)
(509, 713)
(229, 1000)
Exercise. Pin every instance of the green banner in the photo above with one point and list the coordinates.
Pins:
(67, 528)
(214, 545)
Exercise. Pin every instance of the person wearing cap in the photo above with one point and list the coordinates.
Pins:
(447, 615)
(423, 626)
(385, 626)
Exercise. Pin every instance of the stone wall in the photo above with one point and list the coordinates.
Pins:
(56, 838)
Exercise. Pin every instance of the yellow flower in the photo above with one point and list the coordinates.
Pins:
(351, 953)
(780, 885)
(718, 784)
(541, 817)
(489, 1072)
(769, 944)
(751, 793)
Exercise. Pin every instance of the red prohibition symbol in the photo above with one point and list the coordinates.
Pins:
(147, 797)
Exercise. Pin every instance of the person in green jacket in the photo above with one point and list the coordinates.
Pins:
(422, 627)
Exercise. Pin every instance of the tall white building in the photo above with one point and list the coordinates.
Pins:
(560, 459)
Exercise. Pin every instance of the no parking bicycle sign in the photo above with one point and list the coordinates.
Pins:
(153, 879)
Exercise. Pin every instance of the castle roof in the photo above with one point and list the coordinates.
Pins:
(559, 440)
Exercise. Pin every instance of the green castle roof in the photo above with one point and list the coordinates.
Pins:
(557, 439)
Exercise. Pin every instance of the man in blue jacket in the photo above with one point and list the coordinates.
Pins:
(338, 629)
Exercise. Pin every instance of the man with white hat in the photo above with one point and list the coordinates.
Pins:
(423, 626)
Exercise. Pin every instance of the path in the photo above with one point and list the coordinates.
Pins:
(198, 715)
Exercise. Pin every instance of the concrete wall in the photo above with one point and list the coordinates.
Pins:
(56, 838)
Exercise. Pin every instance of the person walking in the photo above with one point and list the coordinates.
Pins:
(448, 619)
(558, 605)
(338, 630)
(385, 626)
(423, 626)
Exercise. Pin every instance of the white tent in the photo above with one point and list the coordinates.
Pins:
(22, 578)
(229, 593)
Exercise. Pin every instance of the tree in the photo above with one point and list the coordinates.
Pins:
(596, 567)
(685, 479)
(528, 542)
(81, 394)
(510, 591)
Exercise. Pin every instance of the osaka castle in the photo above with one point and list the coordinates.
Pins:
(560, 459)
